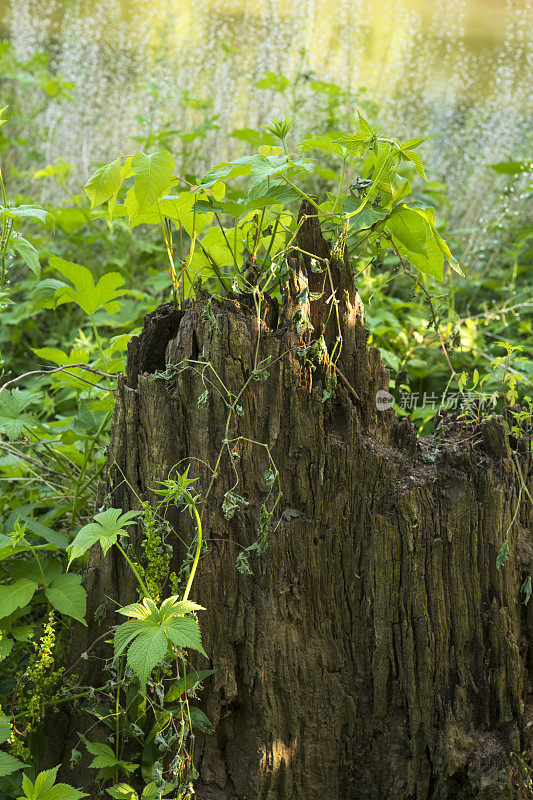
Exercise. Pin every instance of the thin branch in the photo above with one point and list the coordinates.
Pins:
(63, 369)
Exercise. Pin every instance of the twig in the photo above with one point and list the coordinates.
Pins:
(62, 369)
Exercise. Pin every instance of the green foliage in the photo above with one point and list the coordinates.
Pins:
(230, 227)
(108, 526)
(45, 788)
(148, 636)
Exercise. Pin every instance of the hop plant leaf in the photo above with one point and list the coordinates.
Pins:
(45, 788)
(152, 629)
(280, 127)
(107, 527)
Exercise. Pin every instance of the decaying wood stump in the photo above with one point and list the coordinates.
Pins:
(376, 651)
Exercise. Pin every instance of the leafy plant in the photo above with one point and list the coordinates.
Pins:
(45, 788)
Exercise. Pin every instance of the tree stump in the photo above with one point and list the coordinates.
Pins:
(375, 651)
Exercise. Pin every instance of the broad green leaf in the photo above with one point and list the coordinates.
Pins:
(149, 633)
(324, 143)
(9, 764)
(105, 757)
(154, 792)
(126, 633)
(199, 720)
(174, 607)
(88, 296)
(184, 632)
(26, 212)
(148, 650)
(452, 261)
(411, 143)
(410, 228)
(44, 781)
(16, 595)
(273, 81)
(364, 127)
(27, 252)
(68, 596)
(511, 167)
(22, 633)
(104, 183)
(136, 610)
(13, 420)
(354, 142)
(123, 792)
(107, 527)
(152, 176)
(180, 687)
(36, 527)
(5, 729)
(6, 646)
(44, 293)
(51, 568)
(136, 214)
(45, 788)
(410, 155)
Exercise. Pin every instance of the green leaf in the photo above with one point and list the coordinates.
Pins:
(152, 629)
(123, 792)
(364, 127)
(107, 527)
(503, 554)
(410, 155)
(354, 142)
(184, 684)
(51, 568)
(6, 646)
(26, 212)
(9, 764)
(154, 792)
(105, 757)
(199, 720)
(12, 404)
(184, 632)
(68, 596)
(411, 143)
(432, 261)
(273, 81)
(152, 176)
(44, 293)
(410, 228)
(88, 296)
(146, 652)
(17, 595)
(27, 252)
(104, 183)
(36, 527)
(5, 729)
(511, 167)
(324, 143)
(44, 782)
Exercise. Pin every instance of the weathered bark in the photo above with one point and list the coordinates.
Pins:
(376, 651)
